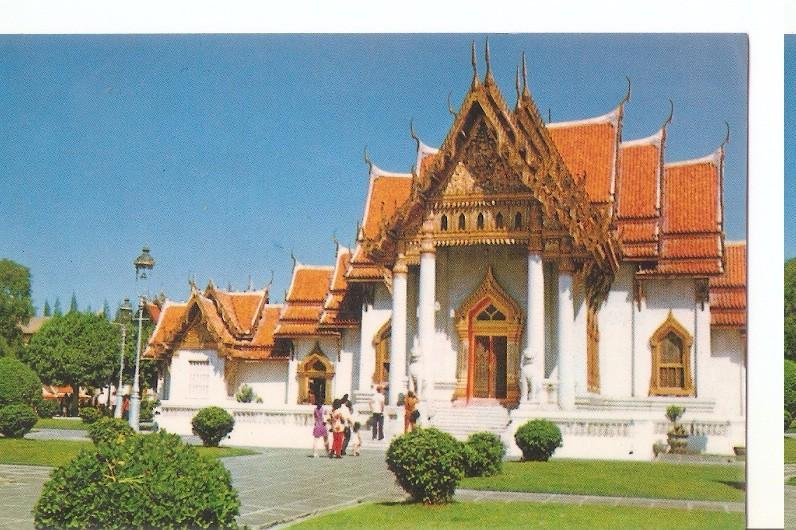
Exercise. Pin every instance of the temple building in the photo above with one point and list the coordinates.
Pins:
(521, 270)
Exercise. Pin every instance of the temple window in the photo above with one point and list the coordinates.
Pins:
(491, 313)
(499, 220)
(199, 378)
(443, 223)
(518, 220)
(480, 221)
(671, 356)
(461, 221)
(381, 345)
(315, 375)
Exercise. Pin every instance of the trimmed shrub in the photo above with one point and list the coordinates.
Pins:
(789, 378)
(538, 440)
(245, 394)
(148, 481)
(147, 412)
(16, 420)
(109, 430)
(19, 384)
(428, 464)
(47, 408)
(483, 455)
(212, 424)
(89, 415)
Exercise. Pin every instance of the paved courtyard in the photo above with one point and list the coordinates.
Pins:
(277, 485)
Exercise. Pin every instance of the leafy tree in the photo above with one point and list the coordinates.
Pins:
(57, 311)
(47, 310)
(77, 349)
(16, 306)
(73, 304)
(790, 309)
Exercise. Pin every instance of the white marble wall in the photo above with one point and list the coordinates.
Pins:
(180, 376)
(268, 379)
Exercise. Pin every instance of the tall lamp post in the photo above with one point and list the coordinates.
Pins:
(143, 263)
(125, 314)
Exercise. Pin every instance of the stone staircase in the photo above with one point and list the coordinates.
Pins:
(464, 421)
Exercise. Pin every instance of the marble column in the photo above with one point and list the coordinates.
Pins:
(398, 333)
(532, 365)
(426, 302)
(292, 381)
(566, 335)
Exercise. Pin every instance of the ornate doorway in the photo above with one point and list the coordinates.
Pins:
(489, 324)
(315, 375)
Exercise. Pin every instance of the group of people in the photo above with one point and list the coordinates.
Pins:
(340, 423)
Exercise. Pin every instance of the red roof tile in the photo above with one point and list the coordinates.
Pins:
(386, 194)
(728, 291)
(304, 303)
(589, 150)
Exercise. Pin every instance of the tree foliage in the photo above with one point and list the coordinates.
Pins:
(790, 309)
(57, 311)
(73, 304)
(47, 311)
(77, 349)
(18, 383)
(16, 307)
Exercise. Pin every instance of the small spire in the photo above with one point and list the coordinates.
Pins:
(250, 287)
(627, 94)
(524, 77)
(450, 107)
(476, 81)
(488, 76)
(413, 134)
(517, 84)
(368, 161)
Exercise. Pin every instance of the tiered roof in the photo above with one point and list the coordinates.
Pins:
(728, 291)
(304, 302)
(338, 309)
(239, 324)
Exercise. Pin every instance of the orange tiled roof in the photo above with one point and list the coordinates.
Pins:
(334, 309)
(589, 150)
(238, 330)
(387, 193)
(728, 291)
(304, 302)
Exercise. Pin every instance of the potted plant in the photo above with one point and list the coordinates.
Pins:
(677, 435)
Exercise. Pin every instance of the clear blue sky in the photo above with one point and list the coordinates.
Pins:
(790, 145)
(224, 152)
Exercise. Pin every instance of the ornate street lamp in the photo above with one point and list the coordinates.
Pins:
(125, 315)
(143, 264)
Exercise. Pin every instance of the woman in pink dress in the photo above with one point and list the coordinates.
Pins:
(319, 431)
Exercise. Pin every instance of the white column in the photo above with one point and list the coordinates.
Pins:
(566, 330)
(426, 301)
(292, 381)
(398, 333)
(533, 357)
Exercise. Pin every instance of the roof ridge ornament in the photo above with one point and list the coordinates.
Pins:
(473, 61)
(671, 114)
(488, 77)
(727, 137)
(626, 98)
(413, 134)
(450, 107)
(368, 161)
(517, 85)
(525, 92)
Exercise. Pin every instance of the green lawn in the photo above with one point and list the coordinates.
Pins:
(624, 479)
(59, 452)
(519, 515)
(60, 423)
(790, 450)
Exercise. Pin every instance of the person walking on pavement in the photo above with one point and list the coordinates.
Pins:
(337, 429)
(377, 409)
(348, 420)
(319, 431)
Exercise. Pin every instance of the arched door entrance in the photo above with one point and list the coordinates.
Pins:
(489, 324)
(315, 376)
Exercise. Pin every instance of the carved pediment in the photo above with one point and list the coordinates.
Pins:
(481, 169)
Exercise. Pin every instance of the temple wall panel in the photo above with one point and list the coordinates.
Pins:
(374, 315)
(349, 357)
(724, 373)
(616, 336)
(268, 379)
(197, 375)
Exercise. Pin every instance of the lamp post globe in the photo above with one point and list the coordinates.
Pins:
(125, 314)
(143, 264)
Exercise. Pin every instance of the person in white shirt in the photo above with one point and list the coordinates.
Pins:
(377, 408)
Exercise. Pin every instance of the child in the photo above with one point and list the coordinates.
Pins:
(356, 439)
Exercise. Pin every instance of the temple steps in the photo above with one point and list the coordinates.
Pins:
(464, 421)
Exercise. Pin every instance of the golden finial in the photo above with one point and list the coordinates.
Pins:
(474, 63)
(488, 76)
(524, 76)
(517, 84)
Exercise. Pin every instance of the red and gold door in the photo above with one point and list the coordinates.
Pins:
(489, 366)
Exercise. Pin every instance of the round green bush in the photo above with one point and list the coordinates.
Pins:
(89, 415)
(428, 464)
(109, 430)
(212, 424)
(538, 440)
(19, 384)
(148, 481)
(16, 420)
(483, 452)
(47, 408)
